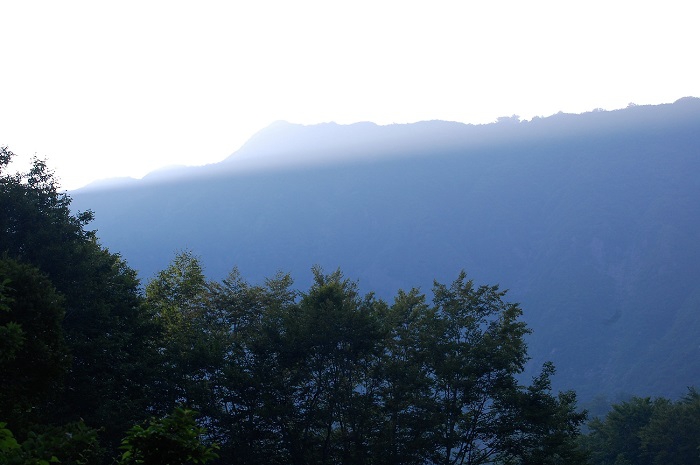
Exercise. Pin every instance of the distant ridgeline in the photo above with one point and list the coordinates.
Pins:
(592, 221)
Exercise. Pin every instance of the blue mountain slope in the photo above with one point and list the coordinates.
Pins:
(590, 220)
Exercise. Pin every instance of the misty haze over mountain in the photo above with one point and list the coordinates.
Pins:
(591, 221)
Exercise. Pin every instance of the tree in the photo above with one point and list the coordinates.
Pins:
(478, 412)
(252, 385)
(190, 343)
(672, 436)
(36, 224)
(74, 443)
(544, 428)
(615, 439)
(106, 332)
(405, 393)
(331, 376)
(11, 334)
(647, 431)
(329, 350)
(34, 358)
(172, 440)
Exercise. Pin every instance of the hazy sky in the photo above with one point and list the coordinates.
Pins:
(105, 89)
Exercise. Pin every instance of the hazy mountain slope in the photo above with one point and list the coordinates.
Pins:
(590, 220)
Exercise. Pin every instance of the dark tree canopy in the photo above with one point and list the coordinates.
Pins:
(332, 376)
(103, 327)
(646, 431)
(32, 370)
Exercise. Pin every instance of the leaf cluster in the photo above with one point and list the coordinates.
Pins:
(71, 444)
(171, 440)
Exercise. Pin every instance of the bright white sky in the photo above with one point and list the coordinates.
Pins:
(106, 89)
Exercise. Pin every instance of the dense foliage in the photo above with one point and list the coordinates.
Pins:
(173, 440)
(105, 332)
(76, 346)
(645, 431)
(331, 376)
(32, 336)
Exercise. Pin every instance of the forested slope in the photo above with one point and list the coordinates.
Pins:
(590, 220)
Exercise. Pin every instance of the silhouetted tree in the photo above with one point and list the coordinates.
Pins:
(107, 334)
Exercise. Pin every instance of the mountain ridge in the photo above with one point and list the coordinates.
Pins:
(302, 144)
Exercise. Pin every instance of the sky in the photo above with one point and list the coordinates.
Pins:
(110, 89)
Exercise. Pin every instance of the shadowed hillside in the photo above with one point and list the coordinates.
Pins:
(590, 220)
